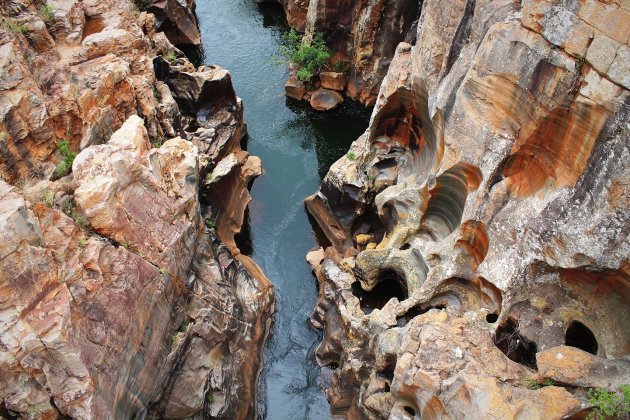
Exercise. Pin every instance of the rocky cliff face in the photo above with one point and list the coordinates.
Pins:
(479, 228)
(122, 292)
(363, 33)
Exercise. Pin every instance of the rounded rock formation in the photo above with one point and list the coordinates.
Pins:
(326, 99)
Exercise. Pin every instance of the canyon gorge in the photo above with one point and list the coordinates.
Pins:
(178, 239)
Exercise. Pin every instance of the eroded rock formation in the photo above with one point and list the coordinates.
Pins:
(122, 292)
(362, 33)
(479, 228)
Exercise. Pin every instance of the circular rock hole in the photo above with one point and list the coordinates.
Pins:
(405, 247)
(492, 318)
(580, 336)
(410, 410)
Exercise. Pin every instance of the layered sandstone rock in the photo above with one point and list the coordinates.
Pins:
(118, 298)
(479, 224)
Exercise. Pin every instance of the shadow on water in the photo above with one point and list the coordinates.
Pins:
(297, 145)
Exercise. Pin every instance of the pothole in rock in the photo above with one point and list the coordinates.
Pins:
(390, 285)
(514, 345)
(580, 336)
(93, 25)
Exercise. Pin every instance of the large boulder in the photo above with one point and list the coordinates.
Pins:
(326, 99)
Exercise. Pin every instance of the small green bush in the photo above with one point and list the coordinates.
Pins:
(67, 155)
(609, 404)
(14, 27)
(351, 156)
(171, 57)
(47, 12)
(310, 56)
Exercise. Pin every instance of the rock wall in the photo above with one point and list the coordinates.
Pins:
(362, 33)
(122, 292)
(479, 252)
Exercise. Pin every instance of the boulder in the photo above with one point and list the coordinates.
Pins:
(177, 21)
(294, 88)
(326, 99)
(333, 80)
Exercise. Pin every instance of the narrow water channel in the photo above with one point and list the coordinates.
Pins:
(297, 145)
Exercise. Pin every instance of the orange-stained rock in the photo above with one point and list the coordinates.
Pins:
(494, 180)
(294, 88)
(325, 99)
(332, 80)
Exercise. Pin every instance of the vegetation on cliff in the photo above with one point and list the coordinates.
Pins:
(309, 54)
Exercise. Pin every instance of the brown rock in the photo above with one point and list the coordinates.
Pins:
(325, 99)
(332, 80)
(294, 88)
(177, 21)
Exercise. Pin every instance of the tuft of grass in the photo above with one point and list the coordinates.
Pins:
(351, 156)
(67, 158)
(209, 177)
(210, 398)
(210, 224)
(609, 404)
(532, 383)
(70, 210)
(82, 242)
(49, 198)
(157, 142)
(579, 63)
(309, 55)
(4, 136)
(47, 12)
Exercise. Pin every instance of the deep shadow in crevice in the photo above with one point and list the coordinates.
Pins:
(580, 336)
(514, 345)
(390, 285)
(243, 239)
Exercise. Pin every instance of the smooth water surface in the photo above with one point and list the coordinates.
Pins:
(297, 146)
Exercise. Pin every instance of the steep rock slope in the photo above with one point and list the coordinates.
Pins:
(479, 228)
(122, 293)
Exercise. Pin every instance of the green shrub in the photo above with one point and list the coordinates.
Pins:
(15, 27)
(65, 166)
(310, 56)
(47, 12)
(350, 155)
(609, 404)
(210, 398)
(171, 57)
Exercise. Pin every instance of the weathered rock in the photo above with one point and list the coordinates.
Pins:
(365, 34)
(93, 301)
(177, 21)
(325, 99)
(332, 80)
(492, 181)
(294, 88)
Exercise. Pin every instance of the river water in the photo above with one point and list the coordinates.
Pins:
(297, 146)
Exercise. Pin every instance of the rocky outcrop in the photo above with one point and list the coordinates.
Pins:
(122, 291)
(478, 227)
(362, 33)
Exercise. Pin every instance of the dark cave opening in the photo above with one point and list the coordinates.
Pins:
(390, 285)
(580, 336)
(492, 318)
(410, 410)
(514, 345)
